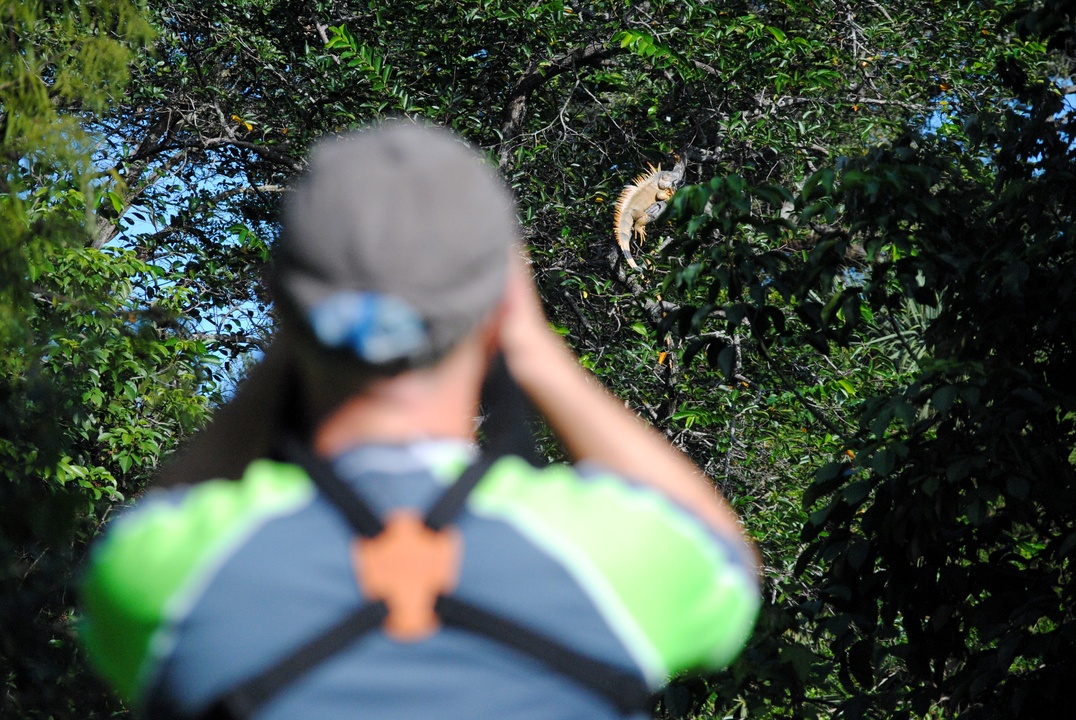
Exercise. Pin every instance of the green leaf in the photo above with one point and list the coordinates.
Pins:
(883, 462)
(777, 34)
(828, 479)
(856, 492)
(726, 362)
(942, 399)
(117, 201)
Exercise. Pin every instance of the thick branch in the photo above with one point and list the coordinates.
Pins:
(273, 156)
(535, 76)
(266, 152)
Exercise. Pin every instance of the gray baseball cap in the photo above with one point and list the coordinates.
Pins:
(396, 242)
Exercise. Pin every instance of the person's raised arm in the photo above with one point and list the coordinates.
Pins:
(591, 423)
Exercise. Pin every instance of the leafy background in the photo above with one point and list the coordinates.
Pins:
(856, 316)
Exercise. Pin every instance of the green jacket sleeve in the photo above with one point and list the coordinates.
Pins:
(147, 569)
(679, 596)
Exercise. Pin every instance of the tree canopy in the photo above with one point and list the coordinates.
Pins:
(855, 316)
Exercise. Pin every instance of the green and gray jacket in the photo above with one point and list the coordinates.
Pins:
(195, 589)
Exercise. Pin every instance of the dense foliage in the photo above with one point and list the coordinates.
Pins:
(91, 395)
(944, 536)
(857, 319)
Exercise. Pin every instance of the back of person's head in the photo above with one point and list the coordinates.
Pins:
(395, 244)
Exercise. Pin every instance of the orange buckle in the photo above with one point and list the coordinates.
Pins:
(407, 567)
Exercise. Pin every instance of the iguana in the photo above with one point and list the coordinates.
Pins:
(642, 201)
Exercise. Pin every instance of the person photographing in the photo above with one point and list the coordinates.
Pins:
(336, 545)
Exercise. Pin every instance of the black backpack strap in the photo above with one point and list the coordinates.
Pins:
(358, 514)
(243, 701)
(624, 689)
(448, 506)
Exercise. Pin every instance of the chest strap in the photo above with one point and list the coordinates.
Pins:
(623, 689)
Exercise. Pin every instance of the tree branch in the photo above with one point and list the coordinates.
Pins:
(534, 77)
(273, 156)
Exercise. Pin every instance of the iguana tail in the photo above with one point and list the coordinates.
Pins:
(623, 224)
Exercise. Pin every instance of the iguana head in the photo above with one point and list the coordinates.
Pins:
(674, 177)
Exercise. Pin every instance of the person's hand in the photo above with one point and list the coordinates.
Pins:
(523, 333)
